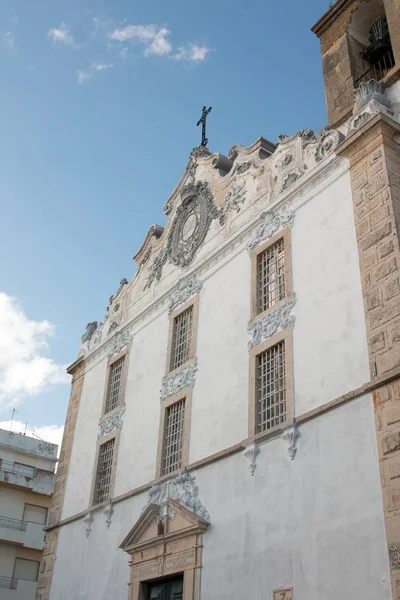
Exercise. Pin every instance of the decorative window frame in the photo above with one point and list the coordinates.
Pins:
(284, 234)
(115, 434)
(285, 335)
(123, 354)
(194, 303)
(185, 394)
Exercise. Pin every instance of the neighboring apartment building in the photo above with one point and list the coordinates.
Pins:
(26, 486)
(233, 431)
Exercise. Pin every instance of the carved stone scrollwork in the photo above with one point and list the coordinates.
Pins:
(88, 520)
(290, 180)
(120, 341)
(108, 512)
(291, 435)
(183, 379)
(181, 488)
(189, 228)
(307, 137)
(251, 452)
(109, 424)
(183, 291)
(90, 329)
(369, 90)
(243, 167)
(233, 199)
(330, 139)
(269, 325)
(271, 222)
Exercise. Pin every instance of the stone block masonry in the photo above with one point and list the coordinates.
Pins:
(374, 158)
(77, 370)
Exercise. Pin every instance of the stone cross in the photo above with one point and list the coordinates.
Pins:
(202, 120)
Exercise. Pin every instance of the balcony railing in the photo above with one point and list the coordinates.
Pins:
(16, 468)
(8, 582)
(13, 524)
(378, 70)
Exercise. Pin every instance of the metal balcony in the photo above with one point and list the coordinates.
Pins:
(9, 583)
(378, 70)
(13, 524)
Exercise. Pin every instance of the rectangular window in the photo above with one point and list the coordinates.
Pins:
(270, 388)
(271, 276)
(104, 470)
(114, 384)
(173, 437)
(35, 514)
(26, 569)
(181, 338)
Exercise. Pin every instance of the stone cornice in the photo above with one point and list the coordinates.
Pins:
(330, 16)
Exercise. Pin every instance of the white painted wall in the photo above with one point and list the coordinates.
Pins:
(315, 523)
(330, 353)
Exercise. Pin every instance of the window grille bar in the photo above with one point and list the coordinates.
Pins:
(271, 388)
(270, 276)
(181, 338)
(104, 469)
(378, 70)
(173, 437)
(13, 524)
(114, 384)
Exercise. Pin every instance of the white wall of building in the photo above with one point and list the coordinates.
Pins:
(306, 523)
(330, 350)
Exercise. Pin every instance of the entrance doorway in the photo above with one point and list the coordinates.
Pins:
(168, 589)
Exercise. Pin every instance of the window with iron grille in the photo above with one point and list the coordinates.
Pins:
(104, 468)
(114, 384)
(181, 338)
(270, 276)
(270, 388)
(173, 437)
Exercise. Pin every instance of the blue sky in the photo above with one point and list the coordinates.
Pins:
(98, 108)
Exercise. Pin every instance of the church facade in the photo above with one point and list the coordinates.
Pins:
(234, 423)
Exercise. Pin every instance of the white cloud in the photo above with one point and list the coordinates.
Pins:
(9, 39)
(48, 433)
(153, 37)
(62, 34)
(160, 46)
(23, 369)
(85, 75)
(124, 53)
(192, 53)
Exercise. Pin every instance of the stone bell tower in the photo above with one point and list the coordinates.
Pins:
(360, 41)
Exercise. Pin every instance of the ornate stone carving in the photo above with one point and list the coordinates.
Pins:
(146, 256)
(291, 435)
(251, 452)
(394, 556)
(46, 448)
(330, 139)
(369, 90)
(186, 560)
(109, 424)
(147, 570)
(290, 180)
(269, 325)
(307, 137)
(271, 222)
(88, 520)
(90, 329)
(286, 160)
(189, 228)
(108, 512)
(184, 378)
(183, 291)
(233, 199)
(243, 167)
(119, 342)
(181, 488)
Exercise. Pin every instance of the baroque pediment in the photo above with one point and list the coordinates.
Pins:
(170, 519)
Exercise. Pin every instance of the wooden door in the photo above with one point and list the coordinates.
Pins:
(171, 589)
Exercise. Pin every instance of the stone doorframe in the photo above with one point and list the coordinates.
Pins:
(166, 541)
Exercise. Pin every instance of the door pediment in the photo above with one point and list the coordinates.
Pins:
(165, 522)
